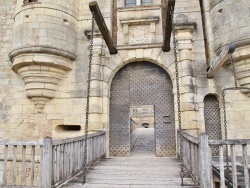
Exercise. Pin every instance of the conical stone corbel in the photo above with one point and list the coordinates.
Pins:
(41, 74)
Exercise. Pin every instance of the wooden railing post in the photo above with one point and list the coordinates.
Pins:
(46, 176)
(205, 162)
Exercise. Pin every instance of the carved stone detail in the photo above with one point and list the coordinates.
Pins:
(139, 30)
(242, 68)
(139, 34)
(41, 74)
(181, 18)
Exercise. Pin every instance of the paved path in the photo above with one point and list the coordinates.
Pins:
(144, 140)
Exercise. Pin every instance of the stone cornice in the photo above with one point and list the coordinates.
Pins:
(191, 26)
(41, 50)
(137, 21)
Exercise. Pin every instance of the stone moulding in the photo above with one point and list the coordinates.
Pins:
(43, 50)
(41, 74)
(241, 58)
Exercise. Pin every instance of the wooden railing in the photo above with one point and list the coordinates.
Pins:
(68, 156)
(48, 163)
(190, 149)
(199, 163)
(20, 163)
(228, 173)
(197, 159)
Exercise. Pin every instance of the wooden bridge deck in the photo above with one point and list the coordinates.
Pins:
(141, 170)
(137, 171)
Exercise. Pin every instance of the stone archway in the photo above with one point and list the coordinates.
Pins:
(141, 83)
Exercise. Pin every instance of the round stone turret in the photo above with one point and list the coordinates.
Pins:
(44, 45)
(230, 23)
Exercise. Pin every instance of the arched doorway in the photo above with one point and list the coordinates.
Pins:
(141, 84)
(212, 120)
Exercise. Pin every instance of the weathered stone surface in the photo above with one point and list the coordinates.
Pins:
(229, 23)
(45, 43)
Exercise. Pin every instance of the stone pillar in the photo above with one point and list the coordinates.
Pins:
(96, 91)
(189, 106)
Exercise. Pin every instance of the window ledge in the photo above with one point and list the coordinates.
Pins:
(139, 21)
(136, 8)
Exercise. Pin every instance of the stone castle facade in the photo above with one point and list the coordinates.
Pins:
(44, 63)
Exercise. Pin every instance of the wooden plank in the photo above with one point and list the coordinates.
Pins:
(190, 138)
(104, 143)
(94, 8)
(74, 157)
(69, 140)
(222, 175)
(197, 161)
(192, 166)
(90, 149)
(128, 175)
(64, 160)
(229, 142)
(13, 143)
(53, 164)
(205, 161)
(60, 162)
(234, 170)
(23, 165)
(5, 163)
(68, 155)
(81, 151)
(41, 166)
(220, 60)
(245, 164)
(14, 166)
(47, 162)
(71, 157)
(92, 185)
(168, 28)
(95, 147)
(99, 146)
(57, 178)
(32, 166)
(79, 155)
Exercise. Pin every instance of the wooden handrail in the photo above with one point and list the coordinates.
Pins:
(59, 160)
(198, 160)
(75, 139)
(229, 142)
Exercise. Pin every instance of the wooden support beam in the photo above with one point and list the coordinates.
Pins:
(220, 60)
(168, 28)
(94, 8)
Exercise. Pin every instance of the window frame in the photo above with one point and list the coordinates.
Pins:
(137, 3)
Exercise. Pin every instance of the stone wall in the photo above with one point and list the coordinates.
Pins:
(230, 22)
(65, 25)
